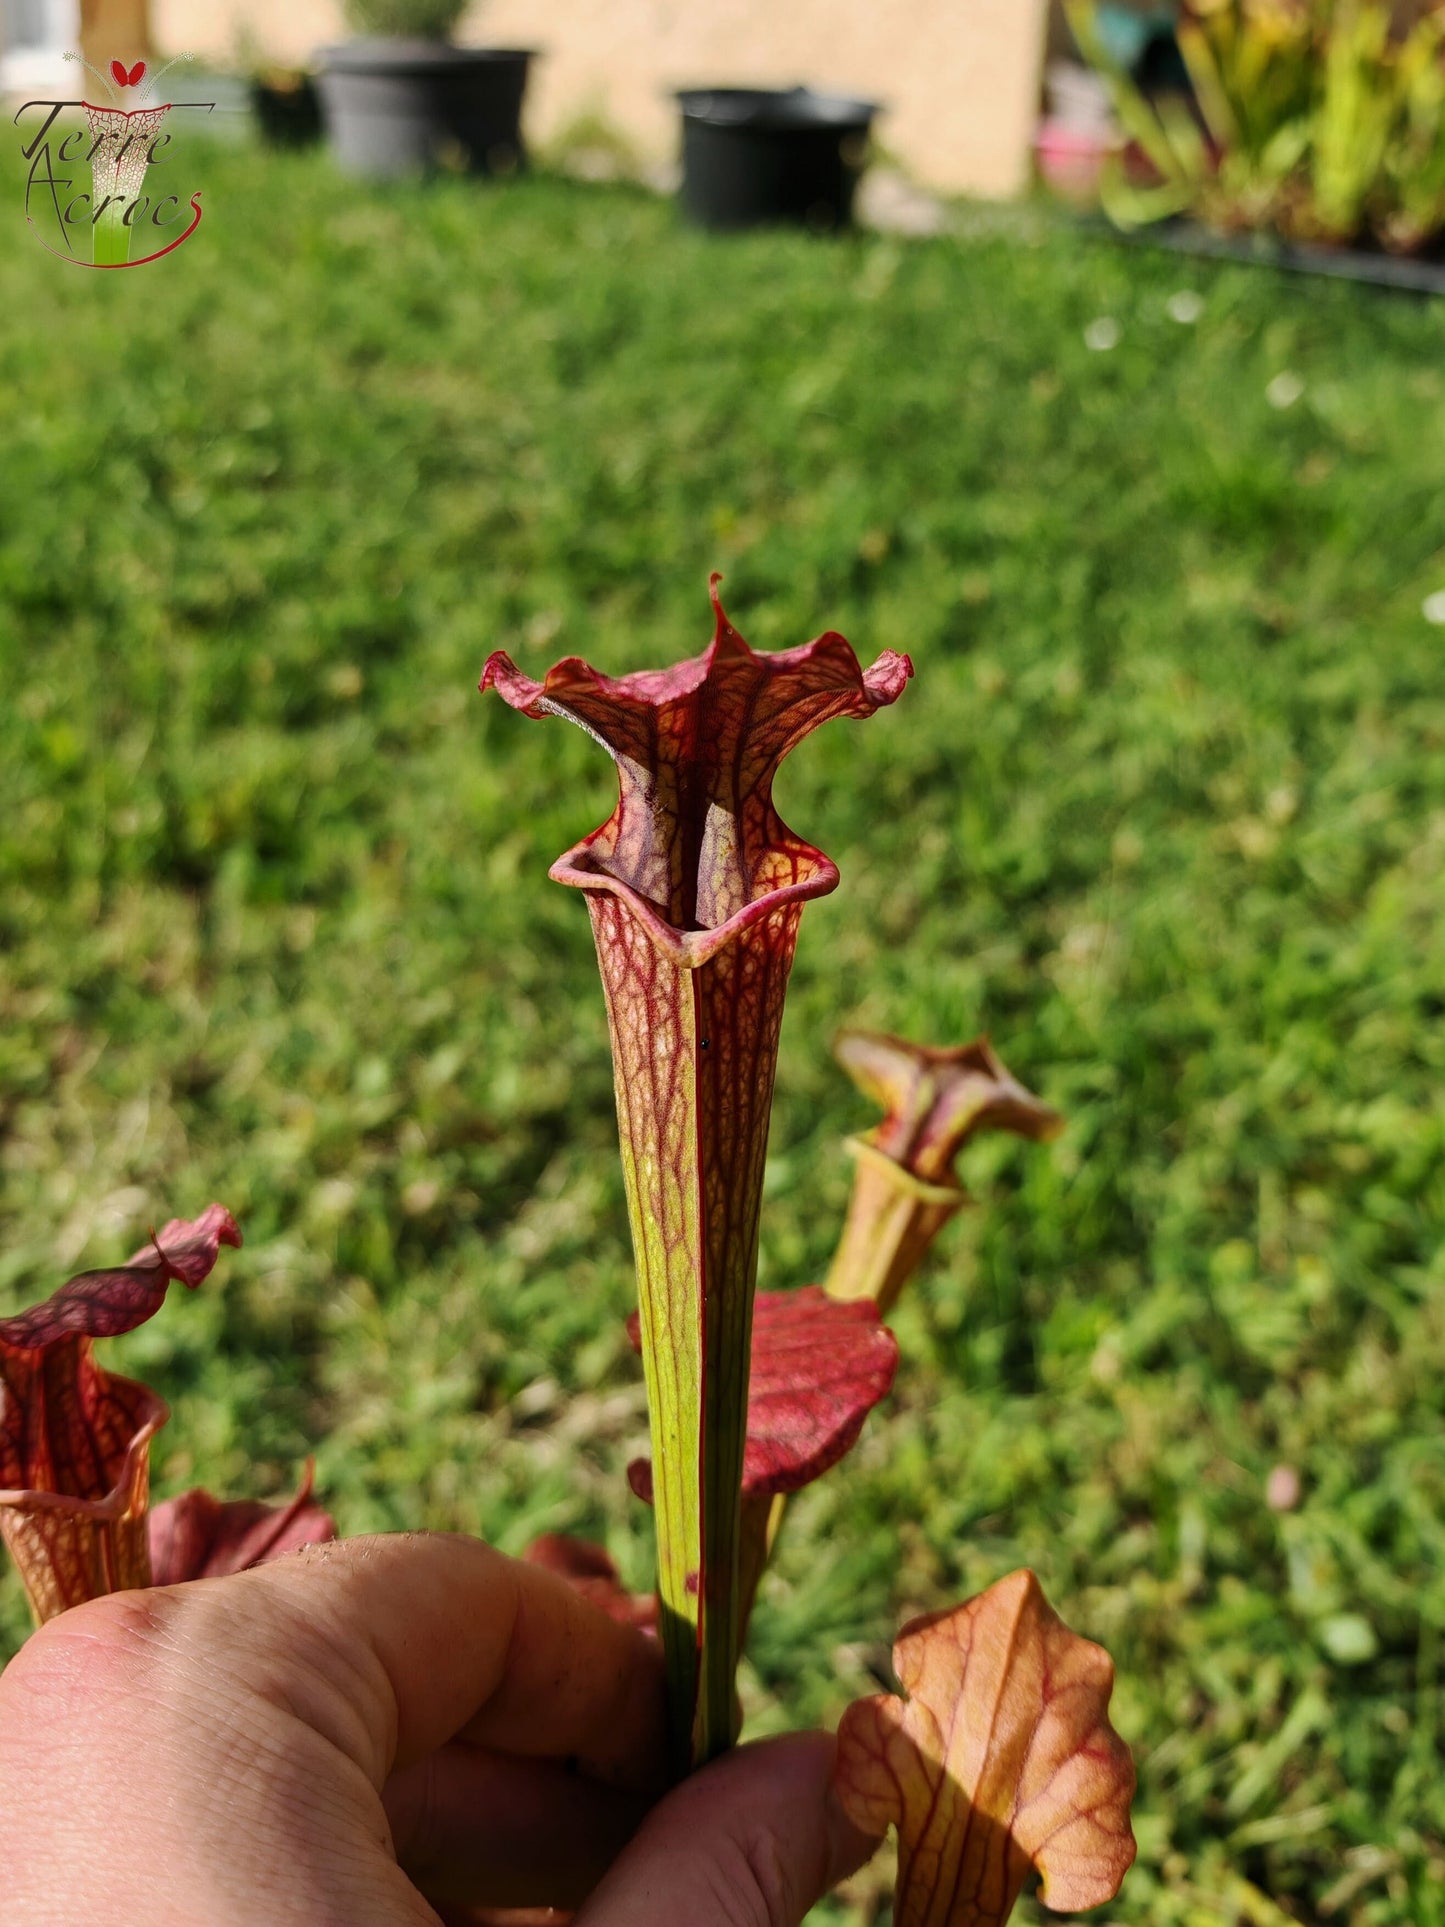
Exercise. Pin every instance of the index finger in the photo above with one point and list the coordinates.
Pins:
(433, 1637)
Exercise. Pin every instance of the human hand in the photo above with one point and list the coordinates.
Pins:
(367, 1726)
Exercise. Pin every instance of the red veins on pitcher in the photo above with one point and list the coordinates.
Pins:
(75, 1441)
(905, 1191)
(818, 1369)
(999, 1759)
(695, 888)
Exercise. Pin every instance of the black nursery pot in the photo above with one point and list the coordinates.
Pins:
(407, 106)
(287, 109)
(751, 156)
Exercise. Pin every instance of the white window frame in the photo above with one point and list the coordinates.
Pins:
(38, 65)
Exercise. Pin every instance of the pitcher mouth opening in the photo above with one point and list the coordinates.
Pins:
(116, 1502)
(690, 947)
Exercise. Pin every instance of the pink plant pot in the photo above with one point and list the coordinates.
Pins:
(1070, 158)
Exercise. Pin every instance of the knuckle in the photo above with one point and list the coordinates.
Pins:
(108, 1640)
(72, 1675)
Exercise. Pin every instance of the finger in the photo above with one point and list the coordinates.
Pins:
(469, 1824)
(258, 1716)
(392, 1646)
(752, 1841)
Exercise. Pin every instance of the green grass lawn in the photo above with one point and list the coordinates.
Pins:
(1164, 811)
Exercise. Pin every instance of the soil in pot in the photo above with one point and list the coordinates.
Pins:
(410, 106)
(752, 156)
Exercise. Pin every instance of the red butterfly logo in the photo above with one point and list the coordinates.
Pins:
(124, 79)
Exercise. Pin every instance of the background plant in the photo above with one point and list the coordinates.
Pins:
(407, 19)
(1314, 117)
(271, 914)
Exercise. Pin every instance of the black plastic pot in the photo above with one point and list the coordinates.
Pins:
(287, 108)
(407, 106)
(751, 156)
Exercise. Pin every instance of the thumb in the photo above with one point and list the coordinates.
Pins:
(751, 1841)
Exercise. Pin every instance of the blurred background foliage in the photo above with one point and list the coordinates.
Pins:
(1320, 120)
(1164, 812)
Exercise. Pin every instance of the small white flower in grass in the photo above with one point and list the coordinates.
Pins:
(1185, 307)
(1285, 390)
(1433, 608)
(1103, 334)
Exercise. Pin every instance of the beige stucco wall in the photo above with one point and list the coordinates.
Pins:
(960, 78)
(113, 30)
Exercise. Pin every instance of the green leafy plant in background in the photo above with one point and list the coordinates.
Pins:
(1317, 119)
(406, 19)
(1412, 199)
